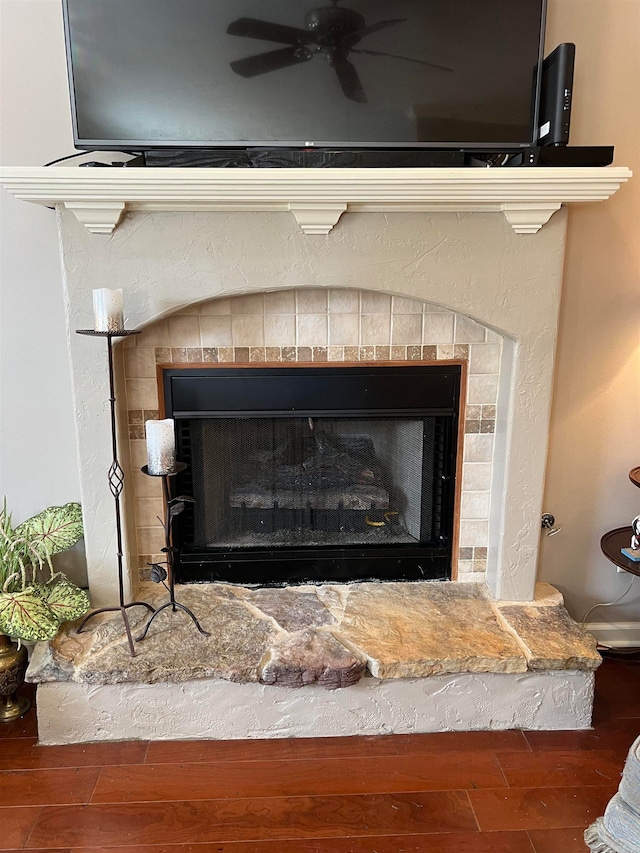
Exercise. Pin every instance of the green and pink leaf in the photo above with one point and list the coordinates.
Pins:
(53, 530)
(27, 616)
(67, 600)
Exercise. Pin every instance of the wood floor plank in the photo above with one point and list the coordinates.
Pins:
(26, 726)
(312, 777)
(25, 754)
(293, 749)
(555, 840)
(253, 819)
(17, 823)
(539, 808)
(47, 787)
(617, 690)
(560, 769)
(616, 735)
(453, 842)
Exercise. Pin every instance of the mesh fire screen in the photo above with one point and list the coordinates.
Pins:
(307, 474)
(309, 482)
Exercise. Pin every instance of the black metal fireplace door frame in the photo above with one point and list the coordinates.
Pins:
(369, 390)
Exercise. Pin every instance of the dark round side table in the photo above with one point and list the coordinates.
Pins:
(612, 542)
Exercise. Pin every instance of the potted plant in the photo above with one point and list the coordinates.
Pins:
(34, 599)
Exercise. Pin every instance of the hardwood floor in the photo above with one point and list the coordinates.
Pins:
(468, 792)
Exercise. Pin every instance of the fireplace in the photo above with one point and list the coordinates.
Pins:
(215, 270)
(248, 288)
(448, 239)
(316, 473)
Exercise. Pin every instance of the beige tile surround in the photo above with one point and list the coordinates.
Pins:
(320, 325)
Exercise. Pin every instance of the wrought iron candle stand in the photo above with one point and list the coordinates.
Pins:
(115, 476)
(173, 507)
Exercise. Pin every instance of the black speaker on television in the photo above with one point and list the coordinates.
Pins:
(556, 95)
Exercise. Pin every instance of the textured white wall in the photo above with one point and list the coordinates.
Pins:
(37, 449)
(221, 710)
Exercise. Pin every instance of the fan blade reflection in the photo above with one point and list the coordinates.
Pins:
(405, 58)
(381, 25)
(349, 80)
(252, 28)
(262, 63)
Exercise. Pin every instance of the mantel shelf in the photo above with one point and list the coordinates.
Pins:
(316, 197)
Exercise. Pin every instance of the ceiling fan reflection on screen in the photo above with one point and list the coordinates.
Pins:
(330, 31)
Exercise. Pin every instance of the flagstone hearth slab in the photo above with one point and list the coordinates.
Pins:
(173, 650)
(545, 596)
(416, 630)
(550, 638)
(328, 635)
(295, 609)
(308, 657)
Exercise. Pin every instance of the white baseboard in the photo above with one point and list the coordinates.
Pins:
(617, 635)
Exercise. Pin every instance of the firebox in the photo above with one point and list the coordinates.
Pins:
(303, 474)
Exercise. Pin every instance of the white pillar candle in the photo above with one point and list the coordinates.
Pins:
(108, 310)
(161, 446)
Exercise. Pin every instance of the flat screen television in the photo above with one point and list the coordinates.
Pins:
(211, 74)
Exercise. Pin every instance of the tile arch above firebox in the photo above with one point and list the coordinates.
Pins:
(313, 325)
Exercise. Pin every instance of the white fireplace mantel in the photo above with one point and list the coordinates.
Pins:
(317, 197)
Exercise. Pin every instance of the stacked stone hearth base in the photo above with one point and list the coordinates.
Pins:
(361, 659)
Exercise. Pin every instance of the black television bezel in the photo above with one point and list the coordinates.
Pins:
(137, 146)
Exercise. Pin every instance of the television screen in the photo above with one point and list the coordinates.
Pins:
(148, 74)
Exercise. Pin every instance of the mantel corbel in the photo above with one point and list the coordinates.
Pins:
(314, 218)
(529, 218)
(97, 217)
(317, 198)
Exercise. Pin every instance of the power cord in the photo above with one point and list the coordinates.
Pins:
(612, 650)
(68, 157)
(135, 155)
(72, 157)
(607, 603)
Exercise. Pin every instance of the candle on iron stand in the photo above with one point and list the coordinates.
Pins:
(161, 446)
(108, 310)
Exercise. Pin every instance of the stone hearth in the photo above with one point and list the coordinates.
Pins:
(450, 640)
